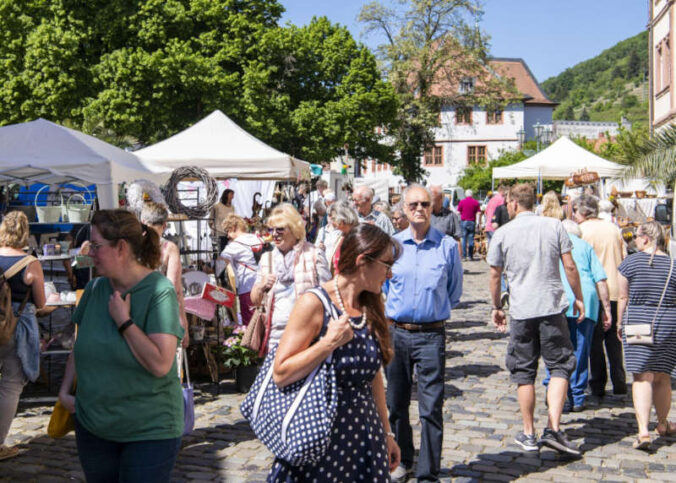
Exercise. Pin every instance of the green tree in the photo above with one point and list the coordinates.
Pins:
(584, 115)
(431, 45)
(314, 90)
(634, 67)
(569, 113)
(657, 158)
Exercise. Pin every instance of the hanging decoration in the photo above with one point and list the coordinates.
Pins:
(140, 191)
(189, 173)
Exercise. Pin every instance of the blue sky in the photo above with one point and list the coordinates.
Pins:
(550, 35)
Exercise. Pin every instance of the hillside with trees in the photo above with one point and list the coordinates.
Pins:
(606, 87)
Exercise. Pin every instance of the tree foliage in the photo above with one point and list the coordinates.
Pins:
(146, 69)
(656, 157)
(431, 45)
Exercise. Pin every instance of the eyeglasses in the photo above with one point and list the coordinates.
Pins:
(414, 204)
(397, 218)
(94, 246)
(388, 265)
(278, 230)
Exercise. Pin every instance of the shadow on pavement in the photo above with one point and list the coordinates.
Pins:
(466, 304)
(491, 335)
(514, 463)
(464, 324)
(481, 370)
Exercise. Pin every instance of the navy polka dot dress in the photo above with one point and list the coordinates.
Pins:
(358, 449)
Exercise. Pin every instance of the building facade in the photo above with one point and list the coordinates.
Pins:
(662, 90)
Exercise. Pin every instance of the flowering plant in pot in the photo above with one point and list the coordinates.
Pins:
(243, 360)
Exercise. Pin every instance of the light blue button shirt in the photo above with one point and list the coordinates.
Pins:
(591, 272)
(426, 279)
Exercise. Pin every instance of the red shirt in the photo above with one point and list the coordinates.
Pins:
(468, 208)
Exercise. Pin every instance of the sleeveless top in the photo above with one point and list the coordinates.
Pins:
(16, 283)
(163, 265)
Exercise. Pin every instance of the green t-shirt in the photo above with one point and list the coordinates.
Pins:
(117, 398)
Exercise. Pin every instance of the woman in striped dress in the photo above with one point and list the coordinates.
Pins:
(642, 281)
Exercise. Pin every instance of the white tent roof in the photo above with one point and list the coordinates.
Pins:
(41, 151)
(225, 150)
(559, 161)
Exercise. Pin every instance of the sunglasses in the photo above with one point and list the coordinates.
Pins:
(278, 230)
(388, 265)
(414, 204)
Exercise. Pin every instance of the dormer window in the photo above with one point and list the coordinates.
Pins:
(466, 85)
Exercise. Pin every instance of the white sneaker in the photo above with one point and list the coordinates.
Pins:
(399, 474)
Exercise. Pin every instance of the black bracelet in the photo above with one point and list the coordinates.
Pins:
(125, 326)
(496, 308)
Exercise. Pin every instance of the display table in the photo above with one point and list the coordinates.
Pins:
(645, 206)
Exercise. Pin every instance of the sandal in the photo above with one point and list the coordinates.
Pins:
(670, 429)
(7, 452)
(642, 442)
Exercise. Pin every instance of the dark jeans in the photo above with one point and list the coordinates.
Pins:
(427, 350)
(597, 358)
(138, 461)
(468, 228)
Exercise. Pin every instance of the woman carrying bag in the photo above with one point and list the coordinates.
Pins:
(361, 443)
(128, 404)
(647, 284)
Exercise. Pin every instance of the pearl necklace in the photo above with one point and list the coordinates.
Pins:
(357, 326)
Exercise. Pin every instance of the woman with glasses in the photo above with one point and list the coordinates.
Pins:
(647, 285)
(294, 266)
(362, 445)
(20, 354)
(128, 404)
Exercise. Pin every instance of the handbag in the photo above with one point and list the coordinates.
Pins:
(188, 398)
(642, 334)
(295, 422)
(61, 422)
(254, 335)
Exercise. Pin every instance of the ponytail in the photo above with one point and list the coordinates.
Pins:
(149, 253)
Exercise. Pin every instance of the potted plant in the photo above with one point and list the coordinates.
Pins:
(243, 360)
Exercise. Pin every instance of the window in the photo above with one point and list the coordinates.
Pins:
(466, 85)
(433, 157)
(662, 65)
(463, 115)
(494, 116)
(476, 154)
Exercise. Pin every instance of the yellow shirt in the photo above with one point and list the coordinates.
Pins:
(606, 239)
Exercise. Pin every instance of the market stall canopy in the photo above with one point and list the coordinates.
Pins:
(45, 152)
(225, 150)
(561, 159)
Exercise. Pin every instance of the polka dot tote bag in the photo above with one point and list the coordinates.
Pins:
(295, 421)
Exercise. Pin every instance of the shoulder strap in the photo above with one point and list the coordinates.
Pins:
(664, 291)
(328, 306)
(18, 266)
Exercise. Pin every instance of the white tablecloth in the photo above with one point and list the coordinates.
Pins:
(646, 206)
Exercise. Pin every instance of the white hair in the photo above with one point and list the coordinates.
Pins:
(571, 227)
(468, 193)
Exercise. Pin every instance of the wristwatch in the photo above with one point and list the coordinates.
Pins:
(496, 308)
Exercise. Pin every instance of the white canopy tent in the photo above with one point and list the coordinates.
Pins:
(561, 159)
(41, 151)
(225, 150)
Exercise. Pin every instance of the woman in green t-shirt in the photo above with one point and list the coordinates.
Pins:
(128, 404)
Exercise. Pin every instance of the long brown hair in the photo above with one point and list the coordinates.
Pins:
(371, 241)
(117, 225)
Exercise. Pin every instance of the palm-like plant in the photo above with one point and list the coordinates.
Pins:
(656, 158)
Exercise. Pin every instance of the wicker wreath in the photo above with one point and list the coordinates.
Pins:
(201, 209)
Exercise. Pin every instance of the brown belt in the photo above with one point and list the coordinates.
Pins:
(422, 327)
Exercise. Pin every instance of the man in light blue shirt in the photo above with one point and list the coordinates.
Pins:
(426, 283)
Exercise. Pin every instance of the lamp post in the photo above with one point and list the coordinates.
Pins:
(538, 132)
(521, 136)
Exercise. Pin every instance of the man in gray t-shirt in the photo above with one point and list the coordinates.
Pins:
(529, 249)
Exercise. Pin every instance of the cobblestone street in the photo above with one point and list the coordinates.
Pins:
(480, 412)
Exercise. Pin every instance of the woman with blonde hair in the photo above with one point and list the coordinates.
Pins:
(550, 206)
(128, 403)
(20, 355)
(240, 253)
(293, 266)
(155, 215)
(647, 284)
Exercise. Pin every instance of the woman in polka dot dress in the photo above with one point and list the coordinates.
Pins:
(362, 446)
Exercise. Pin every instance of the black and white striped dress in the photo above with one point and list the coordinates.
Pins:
(645, 288)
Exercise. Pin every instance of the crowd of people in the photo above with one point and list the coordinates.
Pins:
(393, 275)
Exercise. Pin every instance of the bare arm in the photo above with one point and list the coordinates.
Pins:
(573, 278)
(174, 272)
(622, 301)
(155, 352)
(295, 357)
(34, 276)
(65, 396)
(497, 315)
(602, 290)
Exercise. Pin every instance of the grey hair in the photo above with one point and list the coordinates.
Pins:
(322, 183)
(571, 227)
(342, 212)
(415, 186)
(399, 207)
(367, 191)
(587, 206)
(383, 207)
(154, 214)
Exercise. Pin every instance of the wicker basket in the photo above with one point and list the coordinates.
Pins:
(47, 214)
(641, 193)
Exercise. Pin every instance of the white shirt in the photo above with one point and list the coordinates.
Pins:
(240, 254)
